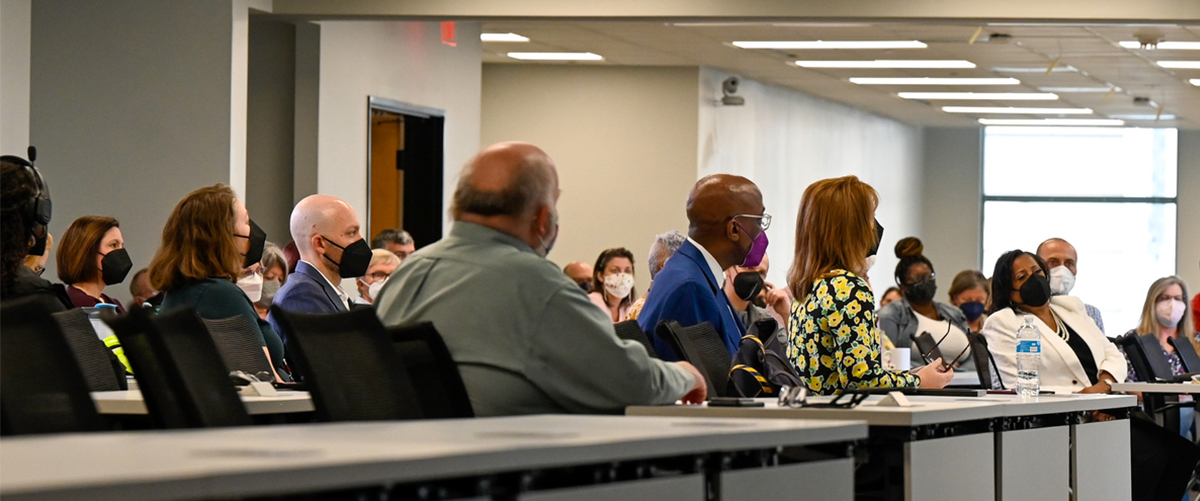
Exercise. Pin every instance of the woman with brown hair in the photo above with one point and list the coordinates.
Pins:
(91, 256)
(208, 242)
(834, 313)
(970, 293)
(613, 279)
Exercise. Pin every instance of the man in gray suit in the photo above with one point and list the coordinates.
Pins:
(526, 338)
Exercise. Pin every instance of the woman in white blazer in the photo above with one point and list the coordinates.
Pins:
(1076, 356)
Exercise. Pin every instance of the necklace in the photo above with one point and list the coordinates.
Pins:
(1062, 330)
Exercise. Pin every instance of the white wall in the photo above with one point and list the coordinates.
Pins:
(14, 79)
(784, 141)
(130, 109)
(270, 131)
(403, 61)
(951, 218)
(624, 141)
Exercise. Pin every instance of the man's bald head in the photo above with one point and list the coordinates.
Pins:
(320, 215)
(505, 179)
(711, 206)
(1058, 252)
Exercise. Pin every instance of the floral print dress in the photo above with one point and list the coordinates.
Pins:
(833, 341)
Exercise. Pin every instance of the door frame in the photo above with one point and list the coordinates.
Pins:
(394, 106)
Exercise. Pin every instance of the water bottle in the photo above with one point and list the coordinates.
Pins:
(1029, 358)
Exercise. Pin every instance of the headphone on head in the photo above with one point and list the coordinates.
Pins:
(42, 208)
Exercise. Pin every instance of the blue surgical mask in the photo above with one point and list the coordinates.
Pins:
(972, 309)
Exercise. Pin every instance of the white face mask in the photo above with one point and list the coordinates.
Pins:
(1169, 312)
(618, 284)
(373, 290)
(252, 286)
(1061, 281)
(870, 262)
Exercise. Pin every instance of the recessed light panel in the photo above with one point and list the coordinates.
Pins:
(1074, 122)
(831, 44)
(1180, 65)
(1195, 81)
(1016, 111)
(502, 37)
(1079, 90)
(982, 96)
(555, 56)
(935, 81)
(887, 63)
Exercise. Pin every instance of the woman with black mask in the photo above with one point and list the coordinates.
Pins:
(1076, 357)
(916, 312)
(91, 257)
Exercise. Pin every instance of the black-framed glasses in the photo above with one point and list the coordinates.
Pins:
(957, 359)
(797, 396)
(764, 220)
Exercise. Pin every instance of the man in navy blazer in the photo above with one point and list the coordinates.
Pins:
(726, 227)
(323, 227)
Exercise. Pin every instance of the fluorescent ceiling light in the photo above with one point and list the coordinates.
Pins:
(887, 63)
(1016, 111)
(502, 37)
(555, 56)
(1181, 65)
(1062, 68)
(1145, 117)
(1195, 81)
(832, 44)
(988, 96)
(1078, 122)
(935, 81)
(1133, 44)
(1078, 90)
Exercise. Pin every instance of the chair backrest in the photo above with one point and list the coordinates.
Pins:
(94, 359)
(183, 380)
(1187, 354)
(434, 374)
(630, 330)
(42, 389)
(239, 342)
(701, 346)
(980, 354)
(348, 362)
(1160, 367)
(1139, 356)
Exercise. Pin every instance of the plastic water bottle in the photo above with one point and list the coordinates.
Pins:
(1029, 358)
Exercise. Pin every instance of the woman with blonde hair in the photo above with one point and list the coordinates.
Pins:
(836, 233)
(1166, 315)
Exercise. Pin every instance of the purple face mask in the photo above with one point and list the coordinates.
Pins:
(758, 248)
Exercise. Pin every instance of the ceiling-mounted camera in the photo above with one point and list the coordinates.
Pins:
(730, 87)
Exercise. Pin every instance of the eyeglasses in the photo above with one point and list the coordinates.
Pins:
(257, 271)
(764, 221)
(922, 278)
(797, 396)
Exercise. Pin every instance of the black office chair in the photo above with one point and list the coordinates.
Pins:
(102, 370)
(42, 389)
(434, 374)
(701, 346)
(981, 354)
(350, 366)
(630, 330)
(183, 380)
(240, 343)
(1187, 354)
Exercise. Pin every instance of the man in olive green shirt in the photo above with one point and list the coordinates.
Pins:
(525, 337)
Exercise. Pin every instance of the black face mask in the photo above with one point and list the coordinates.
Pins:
(1035, 291)
(586, 285)
(921, 292)
(356, 258)
(747, 285)
(878, 239)
(115, 266)
(258, 241)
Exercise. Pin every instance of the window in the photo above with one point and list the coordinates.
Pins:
(1109, 191)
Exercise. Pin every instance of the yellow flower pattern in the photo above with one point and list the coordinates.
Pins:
(833, 340)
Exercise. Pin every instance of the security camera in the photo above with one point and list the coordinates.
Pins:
(730, 87)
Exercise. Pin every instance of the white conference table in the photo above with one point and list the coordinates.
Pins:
(311, 458)
(1175, 388)
(997, 447)
(131, 402)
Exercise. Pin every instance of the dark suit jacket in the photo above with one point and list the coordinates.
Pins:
(306, 291)
(685, 291)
